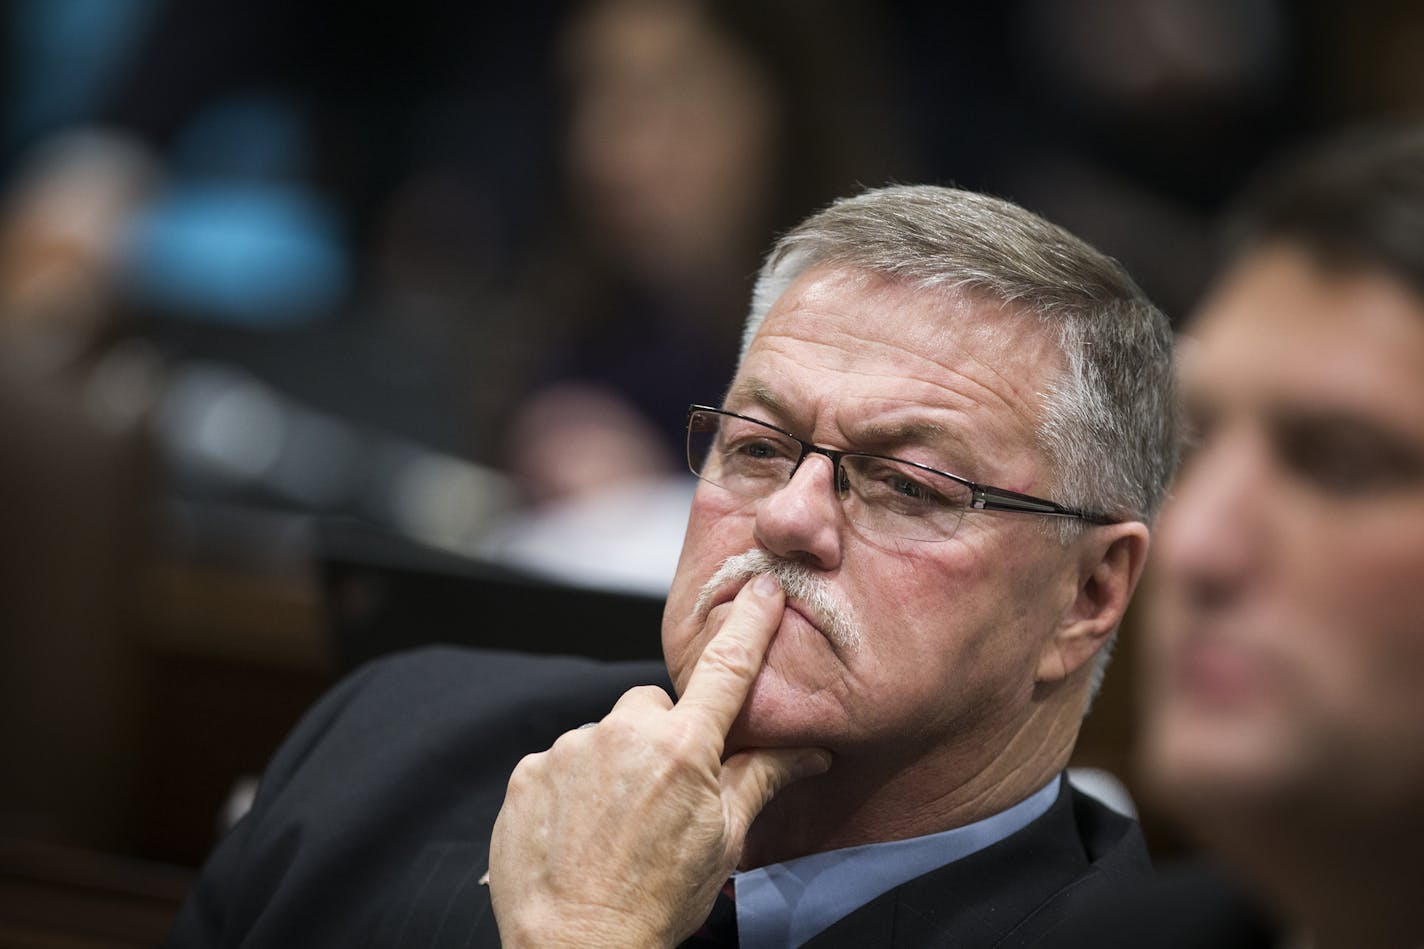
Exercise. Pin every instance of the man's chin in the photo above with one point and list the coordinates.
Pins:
(1196, 773)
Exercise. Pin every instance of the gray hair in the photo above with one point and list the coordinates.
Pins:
(1107, 423)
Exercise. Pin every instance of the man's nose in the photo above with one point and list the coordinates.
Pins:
(802, 520)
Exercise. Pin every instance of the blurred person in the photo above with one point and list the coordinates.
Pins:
(882, 666)
(694, 131)
(1283, 718)
(62, 217)
(75, 486)
(334, 190)
(1284, 655)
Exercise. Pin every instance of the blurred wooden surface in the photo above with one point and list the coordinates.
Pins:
(63, 898)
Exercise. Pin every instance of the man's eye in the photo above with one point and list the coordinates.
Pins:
(1351, 462)
(759, 450)
(909, 488)
(894, 488)
(756, 454)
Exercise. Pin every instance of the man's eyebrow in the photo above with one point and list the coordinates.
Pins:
(762, 396)
(948, 449)
(871, 436)
(908, 431)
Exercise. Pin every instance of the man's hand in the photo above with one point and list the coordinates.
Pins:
(622, 833)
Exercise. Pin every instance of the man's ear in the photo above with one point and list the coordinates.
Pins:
(1109, 564)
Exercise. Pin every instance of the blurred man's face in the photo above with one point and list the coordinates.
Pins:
(1286, 653)
(948, 633)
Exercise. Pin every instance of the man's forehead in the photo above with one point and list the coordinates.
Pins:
(1281, 330)
(825, 281)
(932, 319)
(882, 362)
(890, 423)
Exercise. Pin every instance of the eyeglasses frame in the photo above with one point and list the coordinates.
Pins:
(983, 497)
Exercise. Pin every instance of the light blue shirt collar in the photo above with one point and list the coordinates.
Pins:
(783, 905)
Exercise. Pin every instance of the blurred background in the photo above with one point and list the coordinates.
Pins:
(329, 329)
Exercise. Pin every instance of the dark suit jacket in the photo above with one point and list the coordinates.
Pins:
(372, 823)
(1191, 905)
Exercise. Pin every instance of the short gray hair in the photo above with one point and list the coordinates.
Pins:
(1107, 424)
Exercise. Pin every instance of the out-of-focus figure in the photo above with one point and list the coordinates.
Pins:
(1285, 648)
(1285, 725)
(694, 132)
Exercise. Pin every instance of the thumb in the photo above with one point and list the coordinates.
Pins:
(750, 779)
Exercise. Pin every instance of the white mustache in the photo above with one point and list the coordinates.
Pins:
(813, 594)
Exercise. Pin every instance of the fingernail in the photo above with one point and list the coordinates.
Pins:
(813, 763)
(765, 585)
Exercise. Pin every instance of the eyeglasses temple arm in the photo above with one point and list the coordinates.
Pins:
(1000, 499)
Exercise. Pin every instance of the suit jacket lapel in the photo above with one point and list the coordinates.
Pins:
(1004, 895)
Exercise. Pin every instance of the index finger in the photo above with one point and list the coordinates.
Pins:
(731, 660)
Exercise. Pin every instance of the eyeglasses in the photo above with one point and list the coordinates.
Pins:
(904, 499)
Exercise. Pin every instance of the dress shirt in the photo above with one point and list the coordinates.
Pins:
(782, 905)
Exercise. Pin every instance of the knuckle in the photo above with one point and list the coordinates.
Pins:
(650, 693)
(566, 747)
(525, 773)
(625, 735)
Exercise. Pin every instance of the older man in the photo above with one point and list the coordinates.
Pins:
(923, 509)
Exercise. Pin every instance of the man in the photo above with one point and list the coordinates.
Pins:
(1284, 722)
(923, 509)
